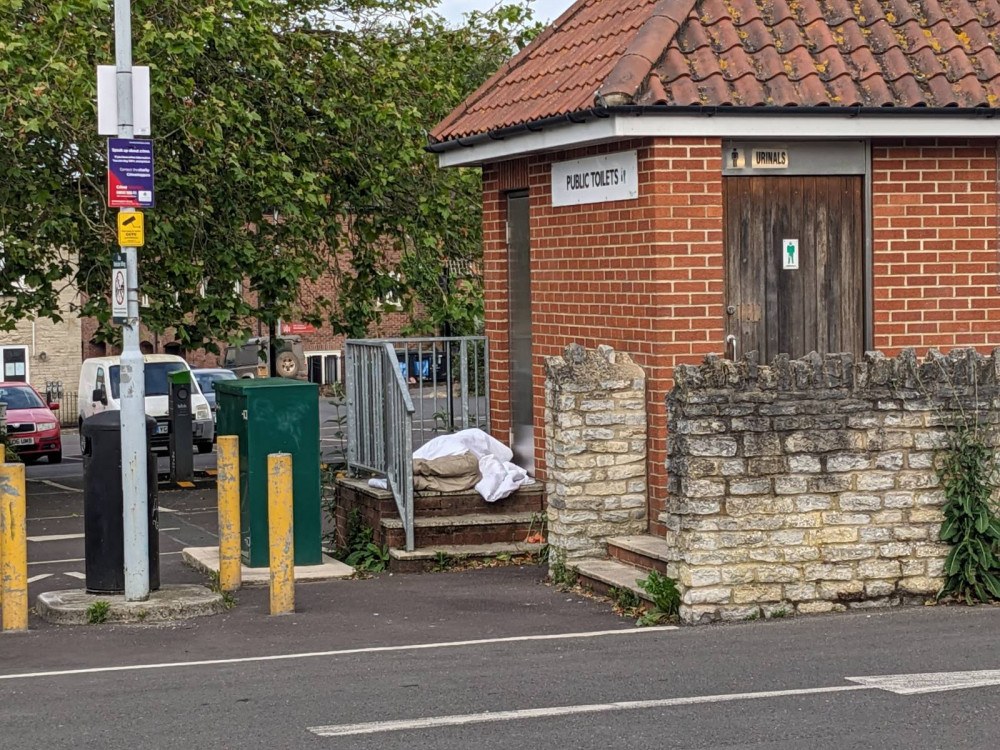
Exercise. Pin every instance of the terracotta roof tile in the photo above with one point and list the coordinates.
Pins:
(748, 53)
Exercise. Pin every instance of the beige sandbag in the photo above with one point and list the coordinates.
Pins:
(446, 474)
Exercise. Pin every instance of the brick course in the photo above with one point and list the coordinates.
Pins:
(936, 271)
(643, 276)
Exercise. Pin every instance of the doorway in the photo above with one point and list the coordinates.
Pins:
(522, 410)
(795, 264)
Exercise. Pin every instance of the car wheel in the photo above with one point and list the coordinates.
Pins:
(55, 457)
(288, 364)
(204, 447)
(83, 441)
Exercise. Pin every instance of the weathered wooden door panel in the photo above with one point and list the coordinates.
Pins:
(819, 305)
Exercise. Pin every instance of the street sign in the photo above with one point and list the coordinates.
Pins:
(119, 287)
(130, 173)
(107, 100)
(131, 229)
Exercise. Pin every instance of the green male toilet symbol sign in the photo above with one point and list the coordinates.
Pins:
(789, 254)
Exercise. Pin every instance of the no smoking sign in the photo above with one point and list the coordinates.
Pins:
(119, 289)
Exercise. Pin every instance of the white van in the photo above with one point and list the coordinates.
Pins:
(99, 392)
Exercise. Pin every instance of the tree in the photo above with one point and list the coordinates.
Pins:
(288, 143)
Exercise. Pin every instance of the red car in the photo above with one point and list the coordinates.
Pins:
(32, 428)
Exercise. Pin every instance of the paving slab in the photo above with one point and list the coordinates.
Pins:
(206, 559)
(169, 603)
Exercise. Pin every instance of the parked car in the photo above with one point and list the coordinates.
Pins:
(32, 426)
(250, 360)
(207, 378)
(99, 392)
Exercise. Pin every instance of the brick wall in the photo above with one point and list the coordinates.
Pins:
(936, 271)
(643, 276)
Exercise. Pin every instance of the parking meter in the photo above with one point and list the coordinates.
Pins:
(181, 437)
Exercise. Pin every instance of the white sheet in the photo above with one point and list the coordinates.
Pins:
(500, 476)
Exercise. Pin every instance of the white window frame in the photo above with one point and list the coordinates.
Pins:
(27, 362)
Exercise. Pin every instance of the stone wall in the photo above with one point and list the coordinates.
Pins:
(595, 449)
(810, 485)
(54, 349)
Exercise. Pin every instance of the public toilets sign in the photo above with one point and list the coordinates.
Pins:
(614, 177)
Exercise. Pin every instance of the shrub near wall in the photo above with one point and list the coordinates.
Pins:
(810, 485)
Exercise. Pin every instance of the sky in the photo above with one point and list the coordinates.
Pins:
(545, 10)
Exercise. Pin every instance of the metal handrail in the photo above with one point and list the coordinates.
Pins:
(380, 422)
(379, 376)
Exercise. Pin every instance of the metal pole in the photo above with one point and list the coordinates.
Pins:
(13, 548)
(132, 374)
(280, 533)
(230, 570)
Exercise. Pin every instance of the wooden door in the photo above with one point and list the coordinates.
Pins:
(820, 305)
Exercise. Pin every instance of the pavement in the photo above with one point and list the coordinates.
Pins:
(485, 658)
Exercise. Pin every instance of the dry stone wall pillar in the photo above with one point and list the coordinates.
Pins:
(595, 449)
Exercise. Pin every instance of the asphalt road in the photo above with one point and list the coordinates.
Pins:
(563, 693)
(456, 660)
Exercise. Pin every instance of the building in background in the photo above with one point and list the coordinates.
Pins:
(44, 353)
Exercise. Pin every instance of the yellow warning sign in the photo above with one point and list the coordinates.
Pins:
(131, 229)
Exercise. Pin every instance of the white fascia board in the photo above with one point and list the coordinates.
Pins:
(553, 138)
(827, 126)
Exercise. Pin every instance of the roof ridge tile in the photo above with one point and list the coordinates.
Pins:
(646, 49)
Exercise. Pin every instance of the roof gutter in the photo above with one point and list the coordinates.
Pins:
(585, 115)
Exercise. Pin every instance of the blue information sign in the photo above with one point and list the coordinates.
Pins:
(130, 173)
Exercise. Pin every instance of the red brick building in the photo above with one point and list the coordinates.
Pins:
(686, 177)
(319, 341)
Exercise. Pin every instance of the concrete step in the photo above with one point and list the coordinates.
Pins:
(425, 558)
(603, 575)
(467, 528)
(641, 550)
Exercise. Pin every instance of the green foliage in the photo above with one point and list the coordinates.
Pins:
(442, 561)
(665, 595)
(359, 551)
(778, 614)
(98, 612)
(968, 470)
(289, 139)
(624, 599)
(559, 573)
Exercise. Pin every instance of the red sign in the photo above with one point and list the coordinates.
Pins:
(289, 329)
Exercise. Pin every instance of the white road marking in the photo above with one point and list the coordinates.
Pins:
(374, 727)
(907, 684)
(50, 483)
(80, 559)
(40, 577)
(63, 537)
(74, 574)
(54, 537)
(930, 682)
(54, 518)
(349, 652)
(166, 510)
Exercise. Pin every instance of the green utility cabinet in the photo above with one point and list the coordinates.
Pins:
(274, 415)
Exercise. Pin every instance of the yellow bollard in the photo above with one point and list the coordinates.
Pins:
(228, 463)
(13, 548)
(279, 532)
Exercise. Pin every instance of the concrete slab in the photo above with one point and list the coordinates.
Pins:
(612, 573)
(206, 559)
(463, 551)
(171, 602)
